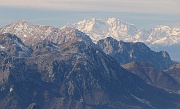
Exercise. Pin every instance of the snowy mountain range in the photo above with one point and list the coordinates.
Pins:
(111, 27)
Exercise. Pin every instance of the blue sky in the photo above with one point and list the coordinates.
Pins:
(142, 13)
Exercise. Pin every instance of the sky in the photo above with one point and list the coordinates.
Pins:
(141, 13)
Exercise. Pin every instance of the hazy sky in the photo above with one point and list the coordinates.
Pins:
(143, 13)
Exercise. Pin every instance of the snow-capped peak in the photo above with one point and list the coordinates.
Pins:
(101, 28)
(18, 24)
(111, 19)
(162, 28)
(21, 21)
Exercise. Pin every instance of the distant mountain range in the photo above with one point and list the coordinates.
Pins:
(111, 27)
(159, 38)
(45, 67)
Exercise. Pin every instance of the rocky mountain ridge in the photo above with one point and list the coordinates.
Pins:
(126, 52)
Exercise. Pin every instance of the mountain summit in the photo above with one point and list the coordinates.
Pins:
(28, 33)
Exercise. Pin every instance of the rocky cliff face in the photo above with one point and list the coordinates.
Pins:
(11, 49)
(126, 52)
(13, 45)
